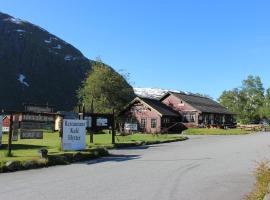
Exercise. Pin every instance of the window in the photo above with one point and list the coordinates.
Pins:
(190, 117)
(153, 123)
(166, 120)
(143, 123)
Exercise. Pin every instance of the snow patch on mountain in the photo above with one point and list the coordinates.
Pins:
(48, 41)
(154, 93)
(22, 80)
(20, 31)
(70, 58)
(14, 20)
(58, 47)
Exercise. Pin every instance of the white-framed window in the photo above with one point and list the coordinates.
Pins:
(143, 123)
(153, 123)
(190, 117)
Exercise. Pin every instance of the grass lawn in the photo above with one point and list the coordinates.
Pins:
(206, 131)
(28, 149)
(262, 174)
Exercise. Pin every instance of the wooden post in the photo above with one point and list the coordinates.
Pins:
(92, 129)
(113, 129)
(83, 111)
(10, 135)
(93, 123)
(91, 136)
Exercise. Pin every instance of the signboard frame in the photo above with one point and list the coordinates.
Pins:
(31, 134)
(1, 125)
(74, 134)
(131, 127)
(97, 120)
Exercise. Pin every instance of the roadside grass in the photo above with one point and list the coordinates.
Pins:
(23, 150)
(262, 174)
(206, 131)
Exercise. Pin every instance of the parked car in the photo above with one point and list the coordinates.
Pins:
(265, 122)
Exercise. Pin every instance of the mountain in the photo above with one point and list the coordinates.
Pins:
(37, 66)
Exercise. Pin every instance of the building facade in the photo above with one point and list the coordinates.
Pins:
(150, 116)
(197, 111)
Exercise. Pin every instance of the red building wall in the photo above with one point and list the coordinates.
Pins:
(138, 112)
(6, 121)
(181, 107)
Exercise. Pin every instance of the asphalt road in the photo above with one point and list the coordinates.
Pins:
(202, 168)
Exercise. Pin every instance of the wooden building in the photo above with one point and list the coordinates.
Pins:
(150, 116)
(197, 111)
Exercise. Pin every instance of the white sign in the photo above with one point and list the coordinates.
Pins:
(131, 127)
(74, 134)
(102, 121)
(1, 124)
(5, 129)
(88, 121)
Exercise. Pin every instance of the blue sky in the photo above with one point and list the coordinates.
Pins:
(204, 46)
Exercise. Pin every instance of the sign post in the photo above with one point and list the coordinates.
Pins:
(74, 134)
(1, 125)
(10, 135)
(15, 128)
(113, 129)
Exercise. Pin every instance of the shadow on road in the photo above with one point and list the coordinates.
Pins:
(113, 158)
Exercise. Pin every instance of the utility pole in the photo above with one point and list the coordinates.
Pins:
(10, 135)
(113, 129)
(92, 120)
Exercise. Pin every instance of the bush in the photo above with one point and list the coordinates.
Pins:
(13, 165)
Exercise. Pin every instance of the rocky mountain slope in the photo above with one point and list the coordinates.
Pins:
(37, 66)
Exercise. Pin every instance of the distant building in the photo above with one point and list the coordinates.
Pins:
(6, 123)
(198, 111)
(151, 116)
(60, 115)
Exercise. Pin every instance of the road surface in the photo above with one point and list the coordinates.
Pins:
(201, 168)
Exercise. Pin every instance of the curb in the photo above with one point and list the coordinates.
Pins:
(67, 158)
(53, 160)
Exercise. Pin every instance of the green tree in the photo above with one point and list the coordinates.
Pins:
(104, 90)
(254, 93)
(265, 108)
(249, 101)
(234, 100)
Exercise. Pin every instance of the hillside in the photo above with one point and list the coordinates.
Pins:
(37, 66)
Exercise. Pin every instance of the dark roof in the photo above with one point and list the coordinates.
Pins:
(202, 104)
(160, 107)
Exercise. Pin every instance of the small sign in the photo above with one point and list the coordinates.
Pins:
(98, 121)
(38, 109)
(88, 121)
(102, 121)
(1, 124)
(5, 129)
(31, 134)
(37, 117)
(131, 127)
(36, 125)
(74, 134)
